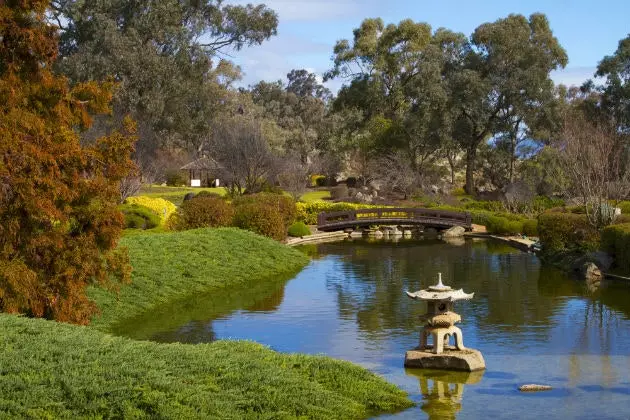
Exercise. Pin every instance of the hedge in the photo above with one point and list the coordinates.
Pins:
(566, 231)
(616, 241)
(204, 211)
(299, 229)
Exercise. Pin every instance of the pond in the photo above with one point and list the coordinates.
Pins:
(532, 323)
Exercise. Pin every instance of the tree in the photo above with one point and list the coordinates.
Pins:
(616, 92)
(59, 224)
(293, 176)
(394, 75)
(502, 80)
(238, 145)
(299, 110)
(591, 157)
(168, 58)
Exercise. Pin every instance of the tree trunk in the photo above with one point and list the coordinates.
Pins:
(471, 155)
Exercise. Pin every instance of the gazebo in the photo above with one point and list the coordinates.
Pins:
(203, 172)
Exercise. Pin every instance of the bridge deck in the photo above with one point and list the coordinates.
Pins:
(441, 219)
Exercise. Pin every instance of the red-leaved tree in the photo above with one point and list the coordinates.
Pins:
(59, 224)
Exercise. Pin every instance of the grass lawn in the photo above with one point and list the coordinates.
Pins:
(318, 195)
(175, 194)
(54, 370)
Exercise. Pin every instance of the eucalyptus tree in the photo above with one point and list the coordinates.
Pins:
(393, 74)
(616, 91)
(299, 108)
(168, 57)
(503, 81)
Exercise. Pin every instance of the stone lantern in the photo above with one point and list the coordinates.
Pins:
(439, 324)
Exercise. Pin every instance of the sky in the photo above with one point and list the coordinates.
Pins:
(308, 30)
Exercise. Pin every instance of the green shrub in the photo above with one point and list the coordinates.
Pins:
(175, 178)
(261, 218)
(299, 229)
(566, 231)
(530, 227)
(282, 204)
(318, 180)
(139, 217)
(542, 203)
(616, 241)
(205, 211)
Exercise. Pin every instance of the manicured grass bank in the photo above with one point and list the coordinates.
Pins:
(52, 370)
(170, 266)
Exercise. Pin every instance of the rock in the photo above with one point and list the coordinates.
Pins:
(534, 388)
(454, 232)
(591, 273)
(356, 234)
(189, 196)
(435, 189)
(468, 360)
(407, 233)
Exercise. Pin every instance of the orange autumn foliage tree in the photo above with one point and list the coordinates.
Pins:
(59, 224)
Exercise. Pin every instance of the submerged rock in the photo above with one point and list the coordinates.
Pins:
(454, 232)
(534, 388)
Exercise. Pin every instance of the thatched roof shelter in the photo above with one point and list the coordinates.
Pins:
(205, 171)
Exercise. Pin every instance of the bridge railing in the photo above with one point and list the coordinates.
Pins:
(384, 214)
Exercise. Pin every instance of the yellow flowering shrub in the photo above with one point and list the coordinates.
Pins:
(163, 208)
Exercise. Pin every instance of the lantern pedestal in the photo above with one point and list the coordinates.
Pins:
(467, 360)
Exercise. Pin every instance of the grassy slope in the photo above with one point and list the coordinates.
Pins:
(317, 195)
(52, 370)
(171, 266)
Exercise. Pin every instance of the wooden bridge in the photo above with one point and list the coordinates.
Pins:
(438, 219)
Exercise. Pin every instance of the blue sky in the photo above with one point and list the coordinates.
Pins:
(308, 30)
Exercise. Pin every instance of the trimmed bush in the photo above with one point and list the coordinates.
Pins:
(616, 241)
(566, 231)
(139, 217)
(260, 218)
(530, 227)
(282, 204)
(159, 206)
(318, 180)
(203, 212)
(503, 226)
(299, 229)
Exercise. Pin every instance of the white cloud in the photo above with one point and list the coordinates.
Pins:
(573, 76)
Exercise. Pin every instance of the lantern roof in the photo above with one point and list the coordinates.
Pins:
(439, 292)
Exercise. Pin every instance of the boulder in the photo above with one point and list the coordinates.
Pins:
(591, 273)
(454, 232)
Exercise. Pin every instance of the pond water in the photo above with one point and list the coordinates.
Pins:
(532, 323)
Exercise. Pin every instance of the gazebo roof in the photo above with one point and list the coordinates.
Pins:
(203, 163)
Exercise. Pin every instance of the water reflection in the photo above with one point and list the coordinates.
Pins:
(532, 323)
(442, 392)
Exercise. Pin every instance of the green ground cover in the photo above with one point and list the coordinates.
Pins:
(54, 370)
(175, 265)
